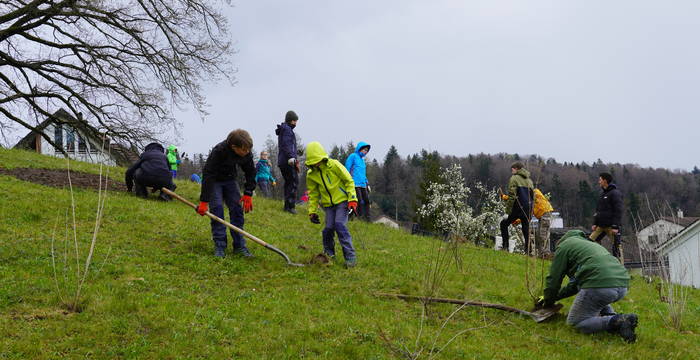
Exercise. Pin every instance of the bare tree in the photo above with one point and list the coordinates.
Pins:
(125, 64)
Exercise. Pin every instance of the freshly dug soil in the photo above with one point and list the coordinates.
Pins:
(59, 178)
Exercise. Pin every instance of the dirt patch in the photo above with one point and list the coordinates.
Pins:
(59, 178)
(320, 259)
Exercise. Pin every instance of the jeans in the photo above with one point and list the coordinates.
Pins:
(226, 192)
(336, 221)
(264, 187)
(585, 312)
(291, 182)
(362, 202)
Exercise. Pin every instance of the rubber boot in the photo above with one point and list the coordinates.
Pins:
(624, 325)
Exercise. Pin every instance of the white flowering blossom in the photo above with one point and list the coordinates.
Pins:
(448, 202)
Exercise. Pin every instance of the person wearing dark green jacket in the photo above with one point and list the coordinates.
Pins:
(596, 278)
(331, 186)
(518, 204)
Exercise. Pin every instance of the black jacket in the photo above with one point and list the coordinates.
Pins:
(608, 213)
(221, 166)
(154, 167)
(286, 143)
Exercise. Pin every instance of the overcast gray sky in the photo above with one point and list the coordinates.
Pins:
(572, 80)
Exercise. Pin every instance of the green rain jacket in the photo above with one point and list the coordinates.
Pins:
(172, 157)
(330, 182)
(586, 263)
(518, 185)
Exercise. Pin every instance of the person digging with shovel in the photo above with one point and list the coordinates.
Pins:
(331, 185)
(219, 187)
(597, 279)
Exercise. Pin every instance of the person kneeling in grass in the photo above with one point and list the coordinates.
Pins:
(330, 184)
(597, 279)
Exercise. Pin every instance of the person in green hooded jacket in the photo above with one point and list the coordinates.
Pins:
(597, 279)
(173, 159)
(518, 204)
(331, 186)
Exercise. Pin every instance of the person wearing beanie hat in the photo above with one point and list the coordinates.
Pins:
(287, 159)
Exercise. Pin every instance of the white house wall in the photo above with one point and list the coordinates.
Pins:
(684, 261)
(664, 230)
(87, 156)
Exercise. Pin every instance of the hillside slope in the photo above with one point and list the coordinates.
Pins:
(156, 291)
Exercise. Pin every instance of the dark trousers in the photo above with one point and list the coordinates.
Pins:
(336, 222)
(265, 188)
(362, 202)
(226, 192)
(524, 222)
(142, 181)
(291, 182)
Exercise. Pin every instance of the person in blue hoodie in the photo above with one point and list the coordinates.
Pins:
(263, 174)
(358, 169)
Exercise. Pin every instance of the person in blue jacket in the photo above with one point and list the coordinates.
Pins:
(358, 169)
(263, 174)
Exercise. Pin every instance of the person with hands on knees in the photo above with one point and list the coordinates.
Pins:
(219, 187)
(597, 279)
(331, 186)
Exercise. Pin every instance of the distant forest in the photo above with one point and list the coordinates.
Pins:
(398, 183)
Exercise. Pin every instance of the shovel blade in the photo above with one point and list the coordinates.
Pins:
(543, 314)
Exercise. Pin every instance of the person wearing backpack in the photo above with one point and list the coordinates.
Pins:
(543, 212)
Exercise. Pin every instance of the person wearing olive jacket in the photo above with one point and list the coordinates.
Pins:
(219, 187)
(518, 204)
(331, 186)
(597, 279)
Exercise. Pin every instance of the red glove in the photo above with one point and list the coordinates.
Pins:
(247, 202)
(202, 208)
(352, 205)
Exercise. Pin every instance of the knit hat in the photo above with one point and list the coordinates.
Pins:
(291, 116)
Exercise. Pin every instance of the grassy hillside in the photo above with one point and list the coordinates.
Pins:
(156, 291)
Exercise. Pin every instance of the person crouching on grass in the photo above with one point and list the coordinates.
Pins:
(219, 186)
(331, 185)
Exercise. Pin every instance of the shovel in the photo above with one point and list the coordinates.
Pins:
(539, 315)
(234, 228)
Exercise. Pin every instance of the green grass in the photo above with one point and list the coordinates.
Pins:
(162, 294)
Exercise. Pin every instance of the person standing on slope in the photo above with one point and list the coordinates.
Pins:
(287, 159)
(358, 169)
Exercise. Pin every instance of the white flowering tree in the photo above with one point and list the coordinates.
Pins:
(449, 202)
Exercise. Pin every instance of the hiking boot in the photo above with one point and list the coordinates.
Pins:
(219, 252)
(292, 211)
(624, 325)
(330, 255)
(350, 263)
(243, 252)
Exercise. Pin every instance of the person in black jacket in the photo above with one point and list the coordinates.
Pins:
(219, 186)
(287, 159)
(151, 170)
(608, 215)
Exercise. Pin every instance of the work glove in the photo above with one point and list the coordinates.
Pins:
(292, 161)
(314, 218)
(202, 208)
(178, 162)
(369, 189)
(352, 205)
(504, 197)
(274, 183)
(541, 303)
(247, 202)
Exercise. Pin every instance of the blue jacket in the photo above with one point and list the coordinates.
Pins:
(286, 143)
(263, 173)
(356, 166)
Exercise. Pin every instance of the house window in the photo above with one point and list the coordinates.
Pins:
(70, 140)
(58, 136)
(653, 239)
(82, 146)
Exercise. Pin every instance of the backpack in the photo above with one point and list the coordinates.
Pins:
(542, 205)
